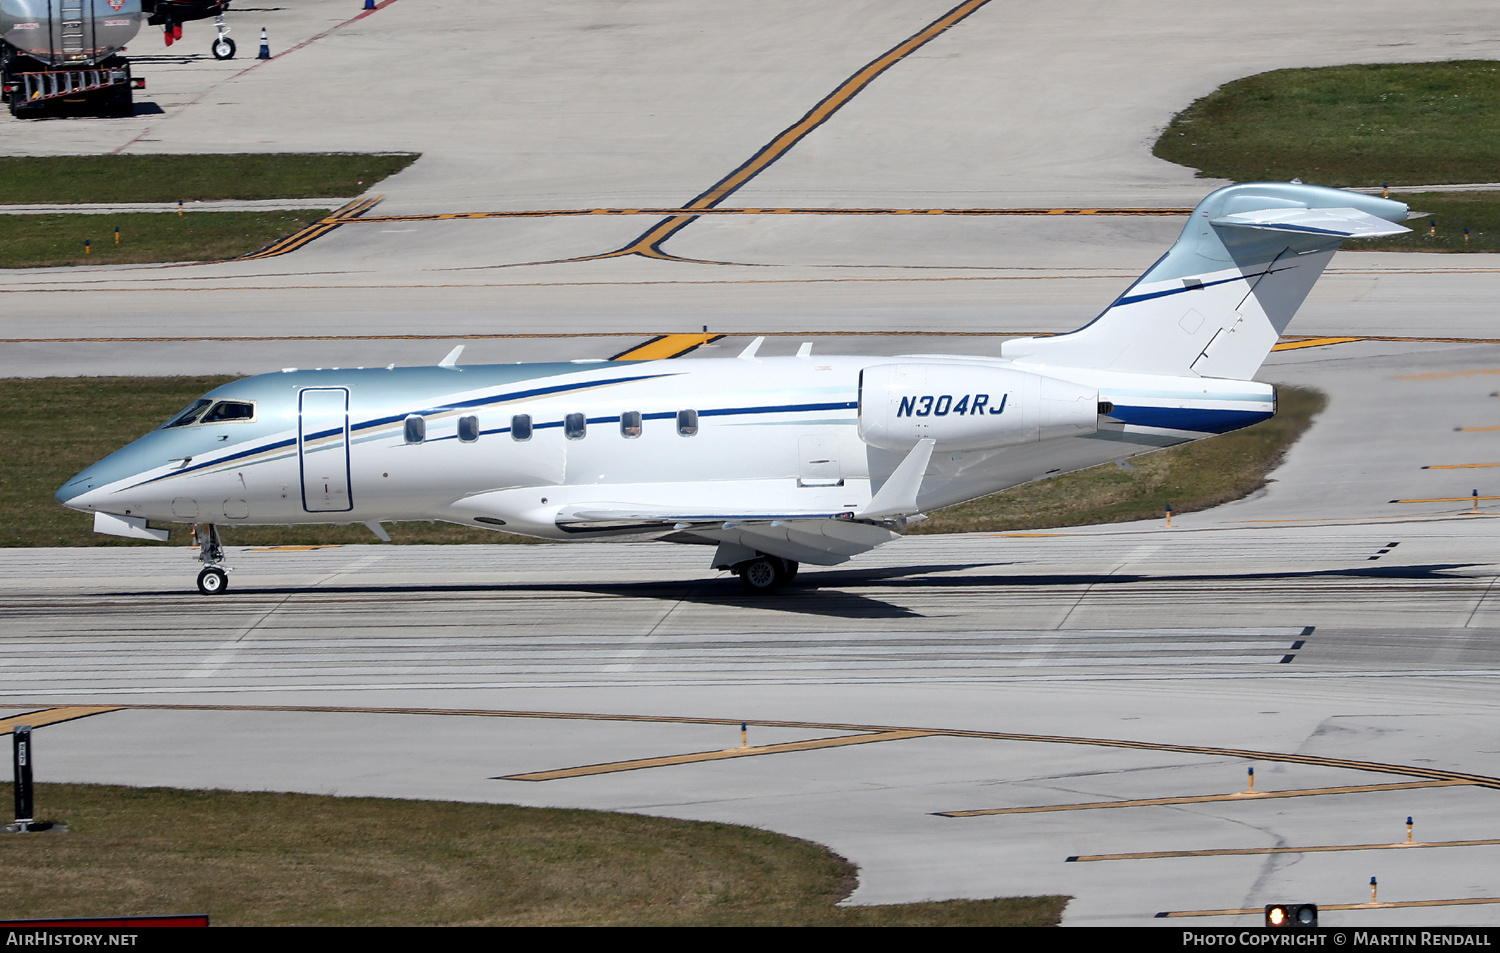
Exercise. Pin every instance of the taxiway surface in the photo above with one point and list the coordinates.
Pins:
(979, 675)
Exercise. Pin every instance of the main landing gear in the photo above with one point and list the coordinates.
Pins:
(765, 574)
(213, 579)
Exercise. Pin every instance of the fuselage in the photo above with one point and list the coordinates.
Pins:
(525, 447)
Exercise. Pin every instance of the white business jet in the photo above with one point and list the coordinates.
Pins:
(773, 461)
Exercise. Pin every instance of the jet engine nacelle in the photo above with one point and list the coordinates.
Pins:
(969, 406)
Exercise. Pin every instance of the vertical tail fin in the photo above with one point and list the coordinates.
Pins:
(1218, 300)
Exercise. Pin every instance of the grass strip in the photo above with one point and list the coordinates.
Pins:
(1359, 125)
(1193, 476)
(51, 428)
(70, 180)
(1449, 213)
(43, 241)
(263, 859)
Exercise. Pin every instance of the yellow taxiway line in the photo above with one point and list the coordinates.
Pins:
(1204, 798)
(316, 230)
(649, 242)
(700, 756)
(1239, 851)
(664, 346)
(1449, 499)
(1311, 342)
(1335, 906)
(52, 716)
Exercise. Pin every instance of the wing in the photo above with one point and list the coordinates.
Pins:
(821, 539)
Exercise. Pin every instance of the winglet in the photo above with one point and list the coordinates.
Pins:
(898, 497)
(452, 358)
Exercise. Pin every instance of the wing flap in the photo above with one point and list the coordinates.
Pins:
(613, 513)
(819, 542)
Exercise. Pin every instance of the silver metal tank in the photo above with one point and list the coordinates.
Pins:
(67, 32)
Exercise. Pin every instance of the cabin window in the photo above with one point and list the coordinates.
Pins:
(468, 429)
(229, 410)
(188, 414)
(416, 429)
(630, 423)
(575, 426)
(520, 427)
(687, 422)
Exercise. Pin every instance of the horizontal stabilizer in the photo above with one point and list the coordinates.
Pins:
(1340, 222)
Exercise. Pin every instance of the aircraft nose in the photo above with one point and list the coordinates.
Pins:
(77, 492)
(71, 493)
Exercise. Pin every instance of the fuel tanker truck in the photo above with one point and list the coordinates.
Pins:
(57, 54)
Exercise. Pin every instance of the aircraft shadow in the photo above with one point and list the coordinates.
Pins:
(1430, 572)
(171, 59)
(820, 593)
(725, 591)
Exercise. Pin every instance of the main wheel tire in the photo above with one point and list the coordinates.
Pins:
(223, 48)
(212, 581)
(762, 575)
(791, 570)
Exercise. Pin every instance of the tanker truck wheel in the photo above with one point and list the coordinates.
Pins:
(223, 48)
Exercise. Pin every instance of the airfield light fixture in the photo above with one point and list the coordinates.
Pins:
(1291, 915)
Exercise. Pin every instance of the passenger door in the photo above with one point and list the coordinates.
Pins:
(323, 449)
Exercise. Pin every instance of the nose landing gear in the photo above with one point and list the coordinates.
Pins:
(223, 46)
(213, 579)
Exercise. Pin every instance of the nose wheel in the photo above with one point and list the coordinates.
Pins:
(212, 581)
(223, 46)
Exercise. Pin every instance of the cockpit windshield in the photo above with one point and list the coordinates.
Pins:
(205, 411)
(229, 410)
(188, 415)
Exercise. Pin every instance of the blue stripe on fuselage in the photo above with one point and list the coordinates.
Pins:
(544, 425)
